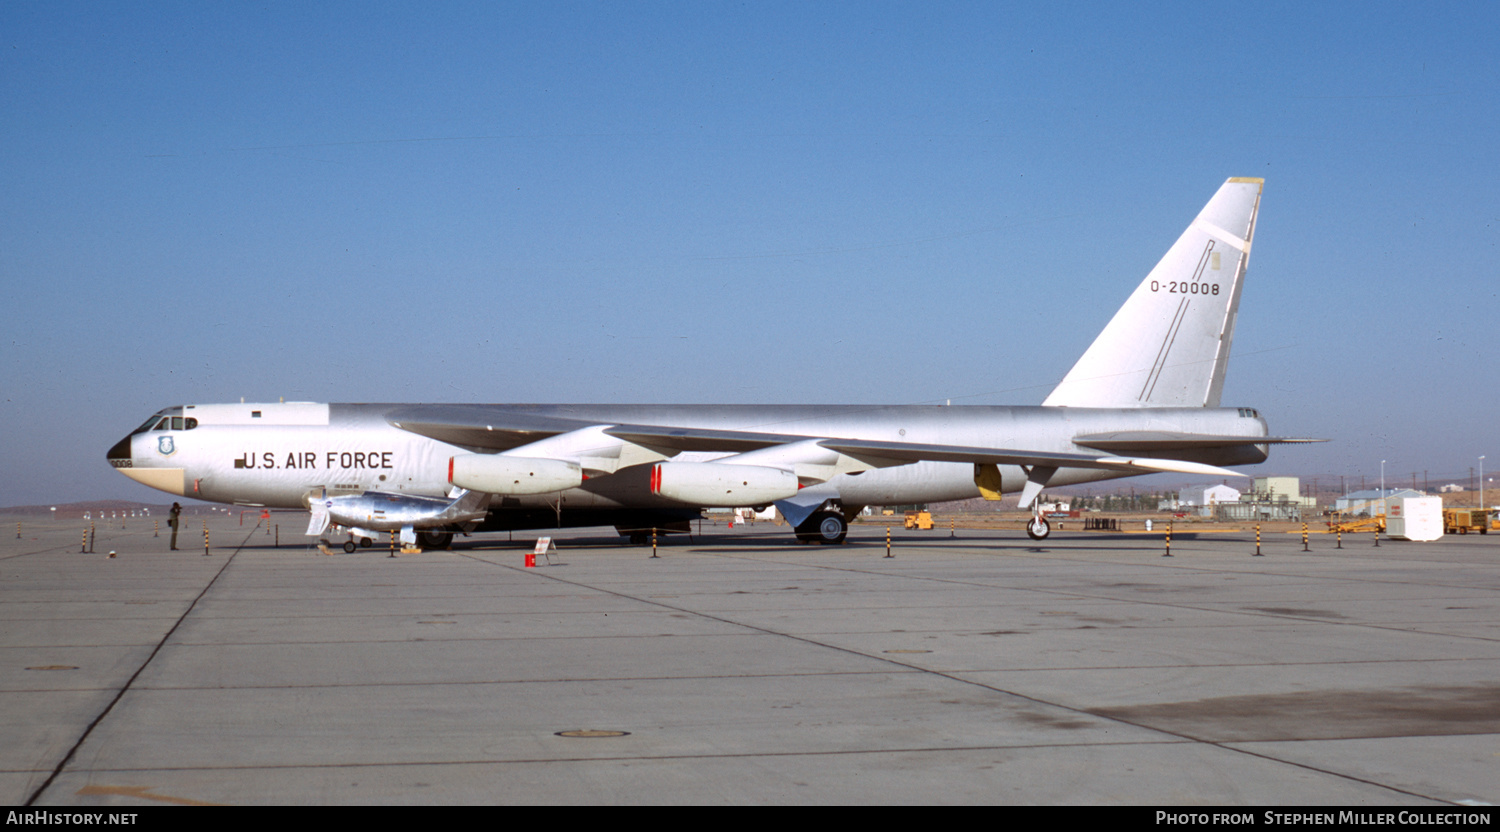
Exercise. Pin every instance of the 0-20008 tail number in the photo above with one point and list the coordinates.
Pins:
(1182, 287)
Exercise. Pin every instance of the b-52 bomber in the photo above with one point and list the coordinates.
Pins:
(1143, 399)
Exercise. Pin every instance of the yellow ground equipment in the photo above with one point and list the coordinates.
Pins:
(1465, 520)
(1355, 525)
(919, 520)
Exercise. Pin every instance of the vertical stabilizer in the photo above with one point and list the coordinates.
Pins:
(1168, 346)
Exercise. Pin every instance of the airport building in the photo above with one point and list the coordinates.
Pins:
(1270, 498)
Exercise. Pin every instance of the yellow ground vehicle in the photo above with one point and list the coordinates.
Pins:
(1355, 524)
(1465, 520)
(919, 520)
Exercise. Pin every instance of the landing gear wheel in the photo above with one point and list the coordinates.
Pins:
(435, 540)
(825, 527)
(365, 543)
(1038, 528)
(349, 546)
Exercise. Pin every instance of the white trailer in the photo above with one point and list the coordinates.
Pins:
(1415, 518)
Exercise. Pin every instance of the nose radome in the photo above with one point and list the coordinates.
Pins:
(119, 455)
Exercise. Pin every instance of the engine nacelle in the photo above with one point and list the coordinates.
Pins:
(380, 511)
(722, 486)
(498, 474)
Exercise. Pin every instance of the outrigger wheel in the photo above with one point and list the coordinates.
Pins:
(1038, 528)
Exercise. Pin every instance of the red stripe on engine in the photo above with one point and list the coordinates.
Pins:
(450, 469)
(656, 479)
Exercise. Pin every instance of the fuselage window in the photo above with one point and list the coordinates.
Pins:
(176, 423)
(162, 425)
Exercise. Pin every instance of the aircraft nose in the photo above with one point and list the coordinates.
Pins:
(119, 455)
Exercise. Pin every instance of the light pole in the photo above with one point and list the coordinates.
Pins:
(1382, 487)
(1481, 485)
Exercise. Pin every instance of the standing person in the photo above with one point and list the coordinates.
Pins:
(173, 522)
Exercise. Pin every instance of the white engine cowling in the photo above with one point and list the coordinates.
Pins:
(722, 486)
(498, 474)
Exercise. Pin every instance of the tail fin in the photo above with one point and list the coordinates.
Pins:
(1168, 346)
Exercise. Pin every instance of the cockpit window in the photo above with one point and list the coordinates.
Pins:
(165, 420)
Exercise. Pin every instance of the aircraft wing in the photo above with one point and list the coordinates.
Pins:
(480, 427)
(913, 452)
(515, 431)
(884, 454)
(1158, 440)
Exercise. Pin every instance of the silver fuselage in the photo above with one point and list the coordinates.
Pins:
(286, 452)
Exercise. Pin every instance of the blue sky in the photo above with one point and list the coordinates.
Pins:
(712, 202)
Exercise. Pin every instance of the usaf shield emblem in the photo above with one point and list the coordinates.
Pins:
(165, 446)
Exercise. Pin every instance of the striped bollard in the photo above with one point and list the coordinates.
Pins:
(1257, 540)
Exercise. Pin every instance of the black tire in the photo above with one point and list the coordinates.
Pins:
(365, 542)
(349, 546)
(825, 527)
(435, 540)
(1038, 528)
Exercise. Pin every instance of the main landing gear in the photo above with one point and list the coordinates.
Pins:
(435, 540)
(1038, 528)
(825, 527)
